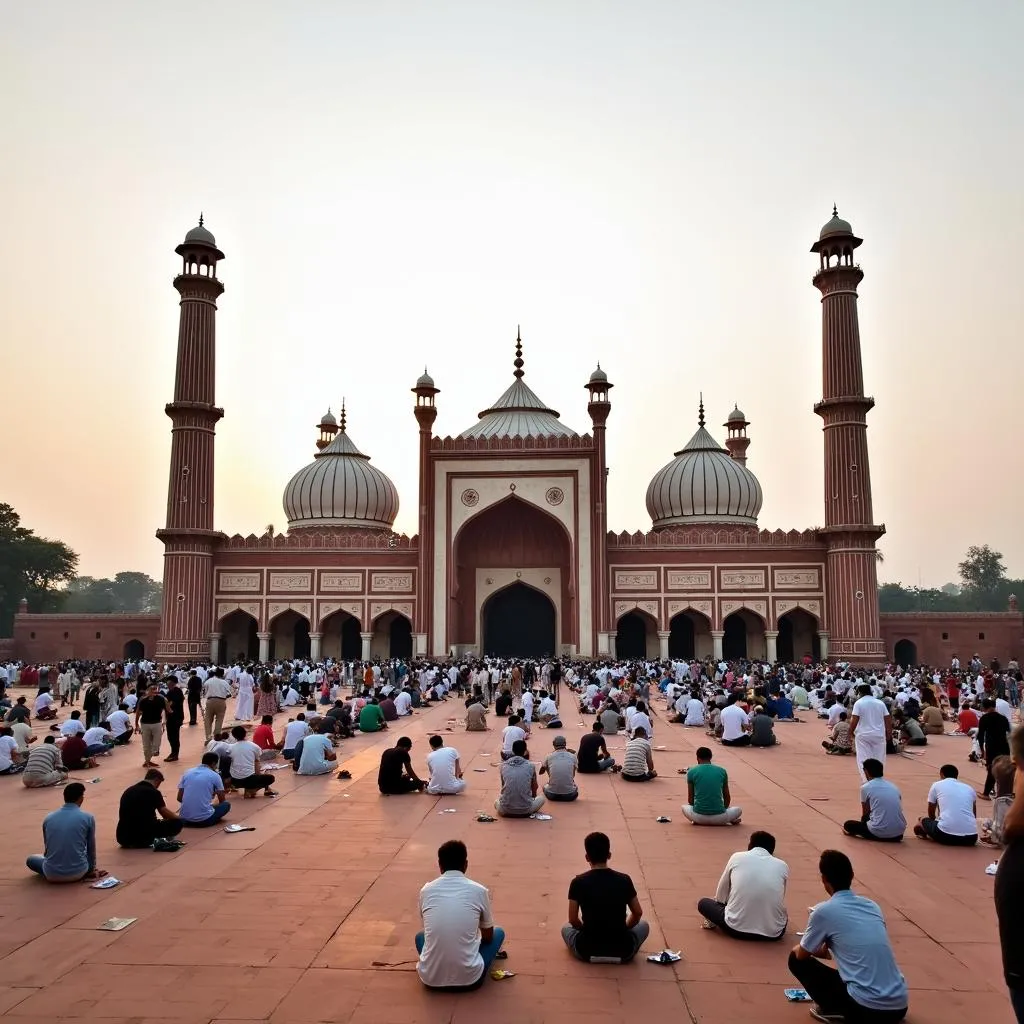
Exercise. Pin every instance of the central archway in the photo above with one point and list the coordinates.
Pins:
(519, 622)
(905, 653)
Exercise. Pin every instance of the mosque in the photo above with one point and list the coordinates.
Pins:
(514, 555)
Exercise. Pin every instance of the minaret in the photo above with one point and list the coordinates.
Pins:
(426, 413)
(737, 442)
(851, 582)
(599, 407)
(186, 621)
(328, 427)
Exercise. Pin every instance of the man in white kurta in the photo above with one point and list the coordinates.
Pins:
(870, 727)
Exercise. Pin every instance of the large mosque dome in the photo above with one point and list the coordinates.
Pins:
(340, 488)
(703, 484)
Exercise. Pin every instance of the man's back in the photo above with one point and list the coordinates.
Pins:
(69, 834)
(708, 781)
(885, 810)
(753, 887)
(603, 896)
(453, 908)
(517, 785)
(591, 749)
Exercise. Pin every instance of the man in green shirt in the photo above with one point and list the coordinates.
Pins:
(709, 799)
(371, 718)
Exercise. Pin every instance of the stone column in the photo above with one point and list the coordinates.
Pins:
(420, 644)
(367, 639)
(823, 638)
(264, 639)
(771, 637)
(604, 645)
(716, 636)
(663, 635)
(214, 647)
(314, 646)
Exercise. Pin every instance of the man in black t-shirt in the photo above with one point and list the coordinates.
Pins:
(599, 926)
(994, 739)
(396, 774)
(137, 821)
(593, 756)
(175, 698)
(194, 686)
(149, 721)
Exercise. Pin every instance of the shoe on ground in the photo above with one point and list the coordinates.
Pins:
(827, 1018)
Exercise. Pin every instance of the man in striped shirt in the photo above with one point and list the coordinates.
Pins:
(638, 763)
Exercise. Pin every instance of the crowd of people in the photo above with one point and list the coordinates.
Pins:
(867, 715)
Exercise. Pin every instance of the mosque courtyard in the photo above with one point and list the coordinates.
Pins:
(311, 917)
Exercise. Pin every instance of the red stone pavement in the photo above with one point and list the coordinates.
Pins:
(311, 917)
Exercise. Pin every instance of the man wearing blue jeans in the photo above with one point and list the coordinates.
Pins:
(197, 790)
(454, 910)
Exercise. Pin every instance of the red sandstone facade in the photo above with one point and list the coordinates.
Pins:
(513, 553)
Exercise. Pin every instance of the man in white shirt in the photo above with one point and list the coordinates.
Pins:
(459, 941)
(43, 708)
(735, 725)
(547, 711)
(444, 768)
(509, 735)
(694, 711)
(293, 732)
(751, 898)
(1003, 707)
(870, 727)
(403, 703)
(120, 725)
(527, 703)
(73, 726)
(952, 805)
(245, 756)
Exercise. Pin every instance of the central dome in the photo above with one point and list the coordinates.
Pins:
(518, 412)
(340, 488)
(703, 484)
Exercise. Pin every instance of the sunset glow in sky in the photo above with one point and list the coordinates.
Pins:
(400, 184)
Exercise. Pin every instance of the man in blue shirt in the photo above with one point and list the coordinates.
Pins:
(881, 806)
(196, 793)
(69, 837)
(867, 986)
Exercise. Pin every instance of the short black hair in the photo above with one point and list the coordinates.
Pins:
(703, 753)
(453, 856)
(764, 840)
(949, 771)
(238, 732)
(835, 867)
(211, 760)
(598, 726)
(519, 748)
(73, 792)
(598, 847)
(873, 768)
(154, 775)
(436, 742)
(404, 742)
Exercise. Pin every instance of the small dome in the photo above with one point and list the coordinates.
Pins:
(328, 419)
(424, 380)
(340, 488)
(201, 234)
(836, 226)
(599, 376)
(703, 484)
(736, 416)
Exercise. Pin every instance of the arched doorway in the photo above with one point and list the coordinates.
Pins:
(289, 636)
(798, 637)
(744, 636)
(238, 637)
(510, 542)
(519, 622)
(636, 637)
(340, 637)
(690, 636)
(392, 636)
(134, 650)
(905, 653)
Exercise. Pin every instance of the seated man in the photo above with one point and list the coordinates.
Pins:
(12, 761)
(74, 726)
(263, 737)
(371, 718)
(784, 709)
(708, 796)
(593, 756)
(867, 986)
(316, 757)
(445, 769)
(98, 740)
(19, 712)
(839, 741)
(909, 731)
(44, 766)
(952, 811)
(245, 756)
(518, 797)
(459, 942)
(69, 838)
(547, 712)
(403, 702)
(476, 715)
(293, 732)
(881, 808)
(197, 790)
(45, 707)
(510, 734)
(610, 719)
(694, 711)
(395, 775)
(143, 816)
(560, 767)
(638, 760)
(762, 730)
(605, 917)
(120, 724)
(735, 725)
(75, 755)
(751, 898)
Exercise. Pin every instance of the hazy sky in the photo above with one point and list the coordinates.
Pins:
(400, 184)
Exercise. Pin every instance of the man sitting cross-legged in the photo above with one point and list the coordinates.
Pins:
(69, 837)
(638, 761)
(396, 774)
(445, 769)
(605, 917)
(519, 786)
(143, 816)
(709, 800)
(593, 756)
(459, 941)
(751, 898)
(560, 767)
(881, 807)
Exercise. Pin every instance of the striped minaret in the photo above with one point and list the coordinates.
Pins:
(189, 538)
(851, 585)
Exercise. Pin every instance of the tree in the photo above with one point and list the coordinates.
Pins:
(30, 567)
(127, 592)
(982, 571)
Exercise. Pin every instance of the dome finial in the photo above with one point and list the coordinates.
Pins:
(200, 218)
(518, 361)
(835, 211)
(700, 411)
(343, 420)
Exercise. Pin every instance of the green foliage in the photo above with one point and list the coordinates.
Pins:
(127, 592)
(30, 567)
(982, 571)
